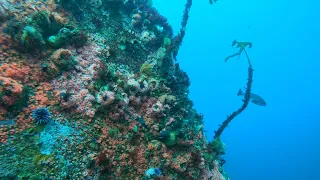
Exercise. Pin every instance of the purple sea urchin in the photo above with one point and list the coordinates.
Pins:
(41, 115)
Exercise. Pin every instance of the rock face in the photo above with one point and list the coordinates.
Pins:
(118, 101)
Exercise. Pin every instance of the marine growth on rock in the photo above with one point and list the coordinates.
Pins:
(92, 90)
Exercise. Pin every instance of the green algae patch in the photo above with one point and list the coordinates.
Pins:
(40, 157)
(171, 140)
(146, 69)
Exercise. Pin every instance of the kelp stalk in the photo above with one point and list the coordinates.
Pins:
(245, 101)
(178, 39)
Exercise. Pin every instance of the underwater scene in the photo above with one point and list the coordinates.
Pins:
(101, 90)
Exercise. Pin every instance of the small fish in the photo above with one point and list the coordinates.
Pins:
(7, 122)
(142, 122)
(256, 99)
(211, 1)
(164, 134)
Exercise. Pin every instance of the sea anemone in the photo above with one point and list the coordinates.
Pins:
(41, 115)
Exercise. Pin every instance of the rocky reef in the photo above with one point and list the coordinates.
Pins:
(91, 89)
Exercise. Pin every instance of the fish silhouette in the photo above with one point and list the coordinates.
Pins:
(9, 122)
(256, 99)
(211, 1)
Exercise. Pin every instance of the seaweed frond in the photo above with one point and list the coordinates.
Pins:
(242, 46)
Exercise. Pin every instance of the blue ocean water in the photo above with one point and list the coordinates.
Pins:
(281, 140)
